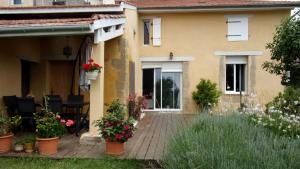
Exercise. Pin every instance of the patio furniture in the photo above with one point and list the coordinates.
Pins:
(55, 103)
(26, 107)
(76, 102)
(10, 103)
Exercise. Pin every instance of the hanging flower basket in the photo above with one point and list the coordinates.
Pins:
(92, 75)
(92, 69)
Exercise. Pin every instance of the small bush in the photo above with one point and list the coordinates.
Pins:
(230, 143)
(206, 95)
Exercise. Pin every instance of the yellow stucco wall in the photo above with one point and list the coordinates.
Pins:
(201, 34)
(12, 51)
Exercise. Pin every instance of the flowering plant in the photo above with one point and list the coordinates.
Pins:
(91, 66)
(49, 124)
(113, 127)
(135, 105)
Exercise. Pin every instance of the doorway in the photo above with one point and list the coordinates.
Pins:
(25, 77)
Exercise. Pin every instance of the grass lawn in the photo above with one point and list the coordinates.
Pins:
(45, 163)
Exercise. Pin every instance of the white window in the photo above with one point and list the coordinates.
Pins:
(237, 28)
(17, 2)
(236, 73)
(162, 86)
(156, 31)
(146, 25)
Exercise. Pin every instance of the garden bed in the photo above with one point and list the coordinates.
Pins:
(229, 142)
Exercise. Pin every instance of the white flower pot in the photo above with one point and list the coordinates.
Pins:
(92, 75)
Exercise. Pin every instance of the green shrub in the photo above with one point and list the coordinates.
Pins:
(206, 95)
(230, 143)
(287, 102)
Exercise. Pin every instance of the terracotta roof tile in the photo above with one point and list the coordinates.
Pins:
(56, 21)
(57, 6)
(211, 3)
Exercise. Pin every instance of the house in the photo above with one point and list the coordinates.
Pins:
(158, 49)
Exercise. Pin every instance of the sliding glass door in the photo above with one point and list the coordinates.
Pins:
(162, 89)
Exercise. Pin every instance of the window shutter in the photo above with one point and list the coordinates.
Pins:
(237, 28)
(156, 31)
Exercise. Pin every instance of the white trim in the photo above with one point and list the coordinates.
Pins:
(90, 9)
(167, 59)
(125, 5)
(101, 36)
(178, 10)
(238, 53)
(108, 22)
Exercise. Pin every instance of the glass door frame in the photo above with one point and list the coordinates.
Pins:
(154, 90)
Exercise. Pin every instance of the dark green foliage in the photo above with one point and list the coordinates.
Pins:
(206, 95)
(230, 142)
(287, 102)
(113, 125)
(285, 52)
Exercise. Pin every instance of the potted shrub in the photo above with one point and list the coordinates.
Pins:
(49, 128)
(6, 135)
(115, 129)
(92, 69)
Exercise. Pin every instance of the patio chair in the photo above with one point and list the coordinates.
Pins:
(10, 103)
(55, 103)
(26, 108)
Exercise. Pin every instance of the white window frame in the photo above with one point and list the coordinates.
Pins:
(235, 60)
(143, 21)
(237, 28)
(165, 68)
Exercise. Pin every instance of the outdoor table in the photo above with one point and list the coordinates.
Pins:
(77, 106)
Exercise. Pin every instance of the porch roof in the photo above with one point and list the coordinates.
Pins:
(107, 24)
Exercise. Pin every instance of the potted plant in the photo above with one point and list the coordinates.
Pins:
(6, 135)
(92, 69)
(115, 129)
(29, 143)
(49, 128)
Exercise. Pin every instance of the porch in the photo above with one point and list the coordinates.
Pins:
(148, 143)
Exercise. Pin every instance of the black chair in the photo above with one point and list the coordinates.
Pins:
(26, 108)
(11, 104)
(55, 105)
(75, 99)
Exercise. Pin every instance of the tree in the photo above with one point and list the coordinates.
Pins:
(285, 52)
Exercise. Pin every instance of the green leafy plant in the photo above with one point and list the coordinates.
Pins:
(113, 125)
(285, 53)
(206, 95)
(49, 124)
(28, 138)
(7, 124)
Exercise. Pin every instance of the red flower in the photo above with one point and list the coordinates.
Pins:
(57, 117)
(118, 136)
(126, 127)
(86, 67)
(91, 60)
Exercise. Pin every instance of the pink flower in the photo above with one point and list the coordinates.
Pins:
(62, 121)
(69, 123)
(57, 117)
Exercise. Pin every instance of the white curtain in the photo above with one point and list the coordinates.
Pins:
(86, 54)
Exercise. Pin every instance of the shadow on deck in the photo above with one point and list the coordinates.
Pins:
(148, 143)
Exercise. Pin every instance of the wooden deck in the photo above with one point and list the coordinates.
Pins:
(148, 143)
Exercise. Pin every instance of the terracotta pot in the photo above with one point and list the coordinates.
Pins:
(114, 148)
(92, 75)
(6, 143)
(47, 146)
(28, 147)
